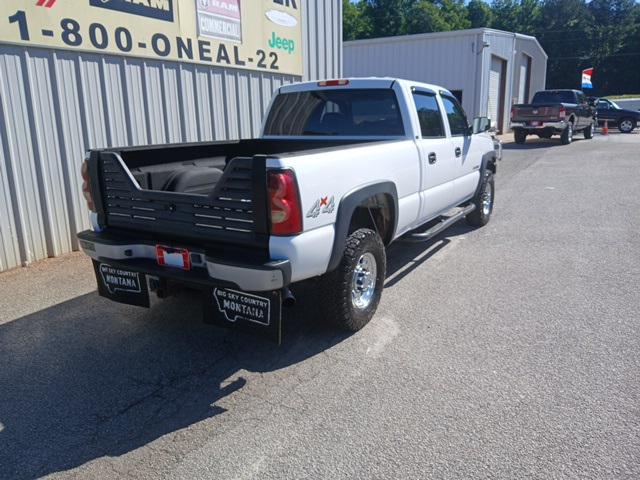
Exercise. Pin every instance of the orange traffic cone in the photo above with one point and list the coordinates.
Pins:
(605, 128)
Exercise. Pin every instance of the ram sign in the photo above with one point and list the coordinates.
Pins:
(250, 34)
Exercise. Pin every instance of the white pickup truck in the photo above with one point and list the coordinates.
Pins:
(343, 168)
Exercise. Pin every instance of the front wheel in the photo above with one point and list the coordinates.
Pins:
(351, 293)
(483, 201)
(567, 135)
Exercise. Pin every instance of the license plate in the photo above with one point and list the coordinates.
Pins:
(120, 285)
(173, 257)
(535, 124)
(255, 312)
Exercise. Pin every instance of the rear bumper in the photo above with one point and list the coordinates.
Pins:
(208, 270)
(560, 125)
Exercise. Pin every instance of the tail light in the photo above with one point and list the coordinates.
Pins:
(86, 186)
(513, 112)
(563, 112)
(284, 203)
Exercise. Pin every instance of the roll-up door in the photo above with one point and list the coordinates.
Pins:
(496, 91)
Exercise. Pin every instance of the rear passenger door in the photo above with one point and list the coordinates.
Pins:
(437, 169)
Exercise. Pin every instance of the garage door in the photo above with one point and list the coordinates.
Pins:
(524, 79)
(495, 91)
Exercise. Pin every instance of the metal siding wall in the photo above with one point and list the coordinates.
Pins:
(55, 105)
(322, 26)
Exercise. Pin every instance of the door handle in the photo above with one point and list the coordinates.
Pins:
(432, 158)
(458, 151)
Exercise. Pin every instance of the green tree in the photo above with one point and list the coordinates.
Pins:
(454, 14)
(355, 23)
(520, 16)
(425, 17)
(388, 17)
(480, 14)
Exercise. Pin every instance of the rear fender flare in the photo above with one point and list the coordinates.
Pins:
(346, 209)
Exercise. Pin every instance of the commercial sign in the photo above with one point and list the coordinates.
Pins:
(263, 35)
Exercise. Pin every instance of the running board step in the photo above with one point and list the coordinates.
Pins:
(445, 223)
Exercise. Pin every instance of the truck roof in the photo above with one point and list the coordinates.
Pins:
(361, 82)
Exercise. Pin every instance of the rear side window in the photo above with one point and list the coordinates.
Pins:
(353, 112)
(428, 114)
(456, 116)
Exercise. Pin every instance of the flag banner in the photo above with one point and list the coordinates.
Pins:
(586, 78)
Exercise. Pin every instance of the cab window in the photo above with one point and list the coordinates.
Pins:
(456, 116)
(429, 114)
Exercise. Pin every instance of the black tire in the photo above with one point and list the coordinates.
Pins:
(520, 136)
(567, 135)
(588, 132)
(481, 215)
(627, 125)
(338, 306)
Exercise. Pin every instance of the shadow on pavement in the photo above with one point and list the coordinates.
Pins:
(89, 378)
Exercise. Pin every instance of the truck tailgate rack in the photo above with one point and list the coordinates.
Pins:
(234, 212)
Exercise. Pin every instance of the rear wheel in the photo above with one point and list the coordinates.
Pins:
(520, 136)
(626, 125)
(483, 201)
(352, 291)
(567, 135)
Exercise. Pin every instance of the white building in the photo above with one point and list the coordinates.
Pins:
(488, 70)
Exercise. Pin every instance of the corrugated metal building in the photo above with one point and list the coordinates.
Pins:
(56, 104)
(487, 69)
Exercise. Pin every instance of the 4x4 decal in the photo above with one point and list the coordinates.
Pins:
(322, 205)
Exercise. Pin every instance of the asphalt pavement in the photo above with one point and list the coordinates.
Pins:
(510, 351)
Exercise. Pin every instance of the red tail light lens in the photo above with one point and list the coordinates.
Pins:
(563, 112)
(284, 203)
(86, 188)
(513, 112)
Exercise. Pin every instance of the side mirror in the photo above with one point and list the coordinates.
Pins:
(481, 124)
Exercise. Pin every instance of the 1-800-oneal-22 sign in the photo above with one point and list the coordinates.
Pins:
(261, 35)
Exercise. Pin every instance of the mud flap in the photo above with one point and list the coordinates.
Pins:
(120, 285)
(258, 313)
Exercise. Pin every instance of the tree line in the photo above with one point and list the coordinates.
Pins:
(575, 34)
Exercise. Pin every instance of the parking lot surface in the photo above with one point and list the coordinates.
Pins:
(510, 351)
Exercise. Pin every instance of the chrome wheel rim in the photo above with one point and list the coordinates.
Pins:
(487, 200)
(626, 126)
(570, 133)
(363, 284)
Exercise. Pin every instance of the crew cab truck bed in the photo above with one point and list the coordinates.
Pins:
(553, 112)
(342, 169)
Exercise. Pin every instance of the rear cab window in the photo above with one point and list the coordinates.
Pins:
(336, 112)
(551, 96)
